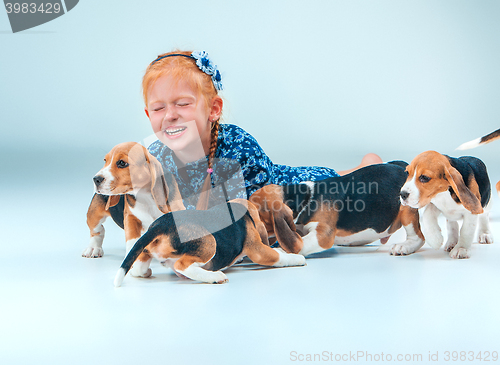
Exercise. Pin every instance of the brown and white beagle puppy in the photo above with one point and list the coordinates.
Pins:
(490, 137)
(350, 210)
(198, 244)
(134, 191)
(459, 188)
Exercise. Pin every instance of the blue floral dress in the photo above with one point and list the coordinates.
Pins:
(240, 167)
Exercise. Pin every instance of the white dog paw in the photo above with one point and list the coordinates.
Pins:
(195, 272)
(139, 272)
(401, 249)
(217, 277)
(289, 259)
(450, 246)
(296, 260)
(485, 238)
(460, 253)
(93, 252)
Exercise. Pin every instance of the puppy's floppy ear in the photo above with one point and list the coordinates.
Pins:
(112, 201)
(468, 199)
(259, 225)
(130, 200)
(164, 189)
(159, 189)
(285, 230)
(174, 197)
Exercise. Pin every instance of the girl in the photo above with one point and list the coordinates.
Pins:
(180, 92)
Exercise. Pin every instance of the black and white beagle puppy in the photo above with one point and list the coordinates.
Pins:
(459, 188)
(199, 244)
(351, 210)
(134, 191)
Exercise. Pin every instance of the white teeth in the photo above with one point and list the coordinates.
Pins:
(174, 131)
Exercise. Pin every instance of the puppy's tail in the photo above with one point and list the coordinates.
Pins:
(134, 253)
(480, 141)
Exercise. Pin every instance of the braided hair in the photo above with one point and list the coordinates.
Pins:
(208, 184)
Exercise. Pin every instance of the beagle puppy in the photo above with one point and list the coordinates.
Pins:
(198, 244)
(493, 136)
(459, 188)
(134, 191)
(350, 210)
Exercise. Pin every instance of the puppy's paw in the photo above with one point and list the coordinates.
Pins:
(401, 249)
(289, 259)
(139, 272)
(460, 253)
(93, 252)
(217, 277)
(485, 238)
(296, 260)
(450, 245)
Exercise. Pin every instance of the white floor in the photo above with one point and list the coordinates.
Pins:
(59, 308)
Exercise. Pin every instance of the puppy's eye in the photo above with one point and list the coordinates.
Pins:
(121, 164)
(424, 179)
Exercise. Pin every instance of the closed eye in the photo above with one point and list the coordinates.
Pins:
(424, 179)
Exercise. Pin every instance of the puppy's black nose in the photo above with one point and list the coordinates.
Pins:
(98, 180)
(404, 195)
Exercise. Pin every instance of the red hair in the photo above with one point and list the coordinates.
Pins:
(179, 68)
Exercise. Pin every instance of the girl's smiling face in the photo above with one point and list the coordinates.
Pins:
(181, 118)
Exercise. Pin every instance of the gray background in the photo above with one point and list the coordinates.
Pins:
(316, 83)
